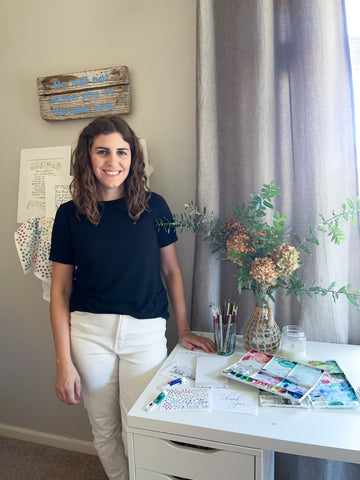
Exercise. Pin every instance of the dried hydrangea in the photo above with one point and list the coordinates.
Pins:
(238, 239)
(259, 237)
(239, 243)
(283, 260)
(230, 226)
(286, 259)
(263, 270)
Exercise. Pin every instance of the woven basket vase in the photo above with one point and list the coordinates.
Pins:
(261, 331)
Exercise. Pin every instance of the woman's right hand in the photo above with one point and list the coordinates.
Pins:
(68, 384)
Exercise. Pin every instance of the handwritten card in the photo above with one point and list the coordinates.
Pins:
(234, 401)
(183, 365)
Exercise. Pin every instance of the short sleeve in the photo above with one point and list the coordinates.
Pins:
(162, 212)
(61, 241)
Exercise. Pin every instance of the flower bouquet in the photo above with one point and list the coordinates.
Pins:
(257, 242)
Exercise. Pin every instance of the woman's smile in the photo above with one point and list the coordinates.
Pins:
(111, 160)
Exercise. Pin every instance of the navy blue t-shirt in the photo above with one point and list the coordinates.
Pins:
(117, 262)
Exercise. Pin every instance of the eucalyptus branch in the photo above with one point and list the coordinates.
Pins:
(195, 220)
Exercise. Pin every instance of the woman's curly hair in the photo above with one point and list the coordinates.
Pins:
(83, 186)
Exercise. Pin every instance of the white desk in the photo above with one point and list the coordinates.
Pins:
(239, 442)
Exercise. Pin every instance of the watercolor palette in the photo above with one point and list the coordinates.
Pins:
(268, 399)
(333, 389)
(275, 375)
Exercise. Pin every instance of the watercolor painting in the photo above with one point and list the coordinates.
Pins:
(254, 359)
(304, 375)
(279, 366)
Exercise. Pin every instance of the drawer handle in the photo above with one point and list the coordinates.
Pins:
(193, 447)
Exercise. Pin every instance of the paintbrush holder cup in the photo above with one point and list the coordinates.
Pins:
(225, 337)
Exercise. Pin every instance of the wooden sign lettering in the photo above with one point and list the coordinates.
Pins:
(84, 94)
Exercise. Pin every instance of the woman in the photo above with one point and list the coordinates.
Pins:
(108, 304)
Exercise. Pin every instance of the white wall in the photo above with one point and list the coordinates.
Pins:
(156, 40)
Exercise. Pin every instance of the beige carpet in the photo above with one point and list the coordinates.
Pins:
(21, 460)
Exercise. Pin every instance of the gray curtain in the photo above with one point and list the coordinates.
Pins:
(274, 102)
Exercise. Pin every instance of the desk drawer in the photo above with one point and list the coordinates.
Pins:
(191, 462)
(148, 475)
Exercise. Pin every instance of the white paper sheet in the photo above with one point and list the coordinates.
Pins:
(35, 165)
(57, 191)
(183, 365)
(208, 371)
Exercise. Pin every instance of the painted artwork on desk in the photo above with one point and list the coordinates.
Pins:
(275, 375)
(187, 398)
(332, 391)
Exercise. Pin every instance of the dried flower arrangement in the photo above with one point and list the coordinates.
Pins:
(260, 249)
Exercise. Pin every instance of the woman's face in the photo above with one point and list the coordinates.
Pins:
(110, 160)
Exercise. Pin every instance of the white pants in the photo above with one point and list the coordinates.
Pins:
(116, 356)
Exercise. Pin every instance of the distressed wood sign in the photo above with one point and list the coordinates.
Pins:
(84, 94)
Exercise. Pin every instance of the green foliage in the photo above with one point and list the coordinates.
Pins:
(265, 236)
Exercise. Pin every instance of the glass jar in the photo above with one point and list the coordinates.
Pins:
(293, 343)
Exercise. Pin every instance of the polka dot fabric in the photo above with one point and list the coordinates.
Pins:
(33, 240)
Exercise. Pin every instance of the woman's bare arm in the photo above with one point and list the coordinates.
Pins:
(67, 385)
(171, 272)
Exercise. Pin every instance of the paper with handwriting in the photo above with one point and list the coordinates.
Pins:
(183, 365)
(234, 401)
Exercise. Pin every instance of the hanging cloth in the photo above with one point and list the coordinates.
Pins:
(33, 240)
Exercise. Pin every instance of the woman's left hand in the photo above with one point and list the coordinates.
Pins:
(190, 341)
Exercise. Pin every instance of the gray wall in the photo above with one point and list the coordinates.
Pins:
(156, 40)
